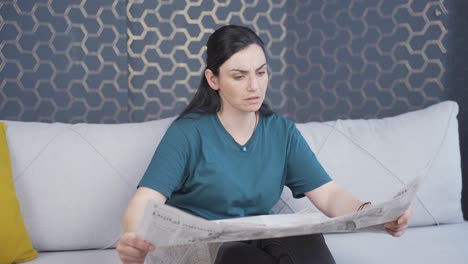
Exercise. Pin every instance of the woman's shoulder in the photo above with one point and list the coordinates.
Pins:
(277, 120)
(191, 121)
(186, 128)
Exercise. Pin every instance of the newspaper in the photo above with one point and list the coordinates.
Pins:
(183, 238)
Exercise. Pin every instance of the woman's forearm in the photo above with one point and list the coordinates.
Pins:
(344, 202)
(136, 207)
(333, 200)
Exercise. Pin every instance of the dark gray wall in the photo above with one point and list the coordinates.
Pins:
(125, 61)
(456, 78)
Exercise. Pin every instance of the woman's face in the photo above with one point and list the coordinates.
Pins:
(242, 80)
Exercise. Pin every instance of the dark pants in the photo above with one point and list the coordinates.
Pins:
(286, 250)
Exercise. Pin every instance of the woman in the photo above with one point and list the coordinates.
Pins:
(227, 155)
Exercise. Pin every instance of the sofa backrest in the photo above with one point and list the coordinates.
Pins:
(374, 159)
(74, 182)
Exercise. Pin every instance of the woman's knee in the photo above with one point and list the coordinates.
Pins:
(298, 249)
(241, 252)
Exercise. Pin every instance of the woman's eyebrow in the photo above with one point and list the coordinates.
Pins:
(263, 65)
(244, 71)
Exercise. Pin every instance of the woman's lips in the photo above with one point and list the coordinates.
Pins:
(253, 100)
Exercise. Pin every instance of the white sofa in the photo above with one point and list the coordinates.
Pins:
(73, 183)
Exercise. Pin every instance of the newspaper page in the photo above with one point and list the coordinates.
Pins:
(183, 238)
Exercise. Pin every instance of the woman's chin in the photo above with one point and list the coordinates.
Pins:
(252, 108)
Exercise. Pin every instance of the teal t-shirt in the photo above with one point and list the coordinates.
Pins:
(204, 171)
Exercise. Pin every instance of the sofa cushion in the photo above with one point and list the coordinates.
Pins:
(374, 158)
(428, 245)
(108, 256)
(14, 239)
(74, 181)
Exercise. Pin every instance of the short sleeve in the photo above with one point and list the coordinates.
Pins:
(167, 168)
(303, 171)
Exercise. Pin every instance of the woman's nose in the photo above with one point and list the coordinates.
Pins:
(253, 83)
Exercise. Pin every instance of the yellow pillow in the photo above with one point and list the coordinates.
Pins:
(15, 245)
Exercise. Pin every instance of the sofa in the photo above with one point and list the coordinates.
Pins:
(72, 183)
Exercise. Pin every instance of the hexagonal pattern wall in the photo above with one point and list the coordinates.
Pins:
(67, 60)
(328, 59)
(63, 61)
(166, 42)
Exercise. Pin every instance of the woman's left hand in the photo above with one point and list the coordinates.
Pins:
(398, 227)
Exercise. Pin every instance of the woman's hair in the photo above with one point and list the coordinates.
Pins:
(221, 45)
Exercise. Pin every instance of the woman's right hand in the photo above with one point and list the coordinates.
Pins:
(132, 249)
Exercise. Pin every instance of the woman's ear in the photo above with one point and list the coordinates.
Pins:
(212, 79)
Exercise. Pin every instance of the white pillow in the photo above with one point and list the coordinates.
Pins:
(374, 158)
(74, 181)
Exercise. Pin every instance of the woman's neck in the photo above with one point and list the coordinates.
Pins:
(240, 125)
